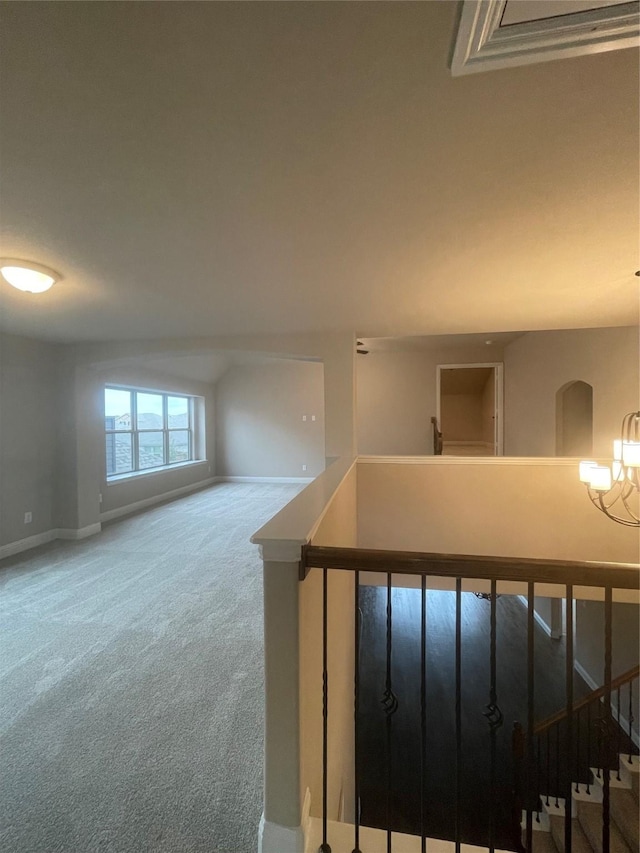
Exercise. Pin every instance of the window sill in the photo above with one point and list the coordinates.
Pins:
(150, 472)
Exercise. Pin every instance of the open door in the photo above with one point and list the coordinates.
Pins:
(469, 408)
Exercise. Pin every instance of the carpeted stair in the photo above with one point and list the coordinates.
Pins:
(586, 811)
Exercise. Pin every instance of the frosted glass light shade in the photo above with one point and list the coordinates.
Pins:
(617, 470)
(600, 478)
(26, 276)
(585, 470)
(631, 454)
(617, 449)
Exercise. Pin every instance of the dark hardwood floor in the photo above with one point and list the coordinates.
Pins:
(397, 805)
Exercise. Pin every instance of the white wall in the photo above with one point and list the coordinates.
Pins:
(538, 364)
(396, 396)
(28, 436)
(396, 391)
(487, 507)
(260, 431)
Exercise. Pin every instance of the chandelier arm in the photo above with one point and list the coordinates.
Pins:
(600, 504)
(628, 508)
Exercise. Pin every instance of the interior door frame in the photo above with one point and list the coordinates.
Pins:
(498, 378)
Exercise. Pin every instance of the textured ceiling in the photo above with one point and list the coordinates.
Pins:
(240, 168)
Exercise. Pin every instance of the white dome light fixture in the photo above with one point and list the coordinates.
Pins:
(27, 276)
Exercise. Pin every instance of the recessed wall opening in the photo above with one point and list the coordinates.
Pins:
(574, 419)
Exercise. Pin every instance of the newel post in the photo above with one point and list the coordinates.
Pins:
(280, 827)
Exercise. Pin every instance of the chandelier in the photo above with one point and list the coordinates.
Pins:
(614, 489)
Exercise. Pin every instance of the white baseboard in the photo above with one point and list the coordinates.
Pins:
(546, 628)
(274, 480)
(274, 838)
(48, 536)
(582, 672)
(127, 509)
(624, 722)
(80, 533)
(27, 543)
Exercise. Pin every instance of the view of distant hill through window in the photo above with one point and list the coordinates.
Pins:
(145, 430)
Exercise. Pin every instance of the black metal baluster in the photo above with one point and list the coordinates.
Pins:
(569, 663)
(606, 711)
(538, 791)
(578, 751)
(495, 719)
(557, 764)
(530, 712)
(356, 710)
(458, 710)
(589, 730)
(630, 719)
(324, 847)
(423, 715)
(548, 765)
(390, 705)
(618, 738)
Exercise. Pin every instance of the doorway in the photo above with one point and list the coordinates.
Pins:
(574, 419)
(469, 408)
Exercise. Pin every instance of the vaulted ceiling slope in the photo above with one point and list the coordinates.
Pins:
(241, 168)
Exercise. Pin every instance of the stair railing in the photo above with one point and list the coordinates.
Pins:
(331, 561)
(437, 438)
(557, 756)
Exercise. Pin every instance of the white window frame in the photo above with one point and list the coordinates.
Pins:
(166, 431)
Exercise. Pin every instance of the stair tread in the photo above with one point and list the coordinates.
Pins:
(624, 810)
(579, 841)
(590, 817)
(543, 843)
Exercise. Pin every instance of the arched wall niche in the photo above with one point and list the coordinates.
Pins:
(574, 419)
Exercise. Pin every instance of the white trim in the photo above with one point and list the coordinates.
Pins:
(624, 723)
(127, 509)
(116, 479)
(483, 45)
(48, 536)
(287, 551)
(273, 480)
(546, 628)
(582, 672)
(29, 542)
(274, 838)
(80, 533)
(306, 813)
(498, 399)
(297, 522)
(531, 461)
(468, 443)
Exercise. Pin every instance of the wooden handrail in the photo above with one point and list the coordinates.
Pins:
(577, 573)
(625, 678)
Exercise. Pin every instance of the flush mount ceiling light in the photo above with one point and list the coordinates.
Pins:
(27, 276)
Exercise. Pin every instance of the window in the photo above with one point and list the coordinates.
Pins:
(146, 430)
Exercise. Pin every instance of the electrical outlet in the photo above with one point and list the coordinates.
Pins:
(304, 417)
(313, 417)
(304, 467)
(100, 498)
(28, 517)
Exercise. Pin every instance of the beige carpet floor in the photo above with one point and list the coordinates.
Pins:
(131, 682)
